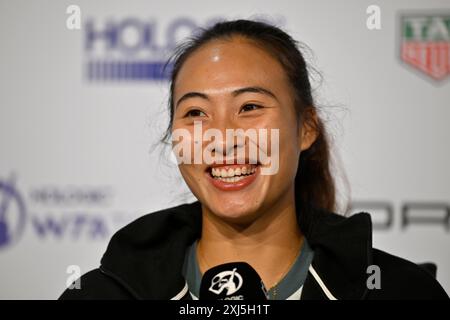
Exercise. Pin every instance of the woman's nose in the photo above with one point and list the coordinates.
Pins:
(224, 147)
(228, 141)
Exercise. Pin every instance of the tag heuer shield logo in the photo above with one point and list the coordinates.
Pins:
(425, 43)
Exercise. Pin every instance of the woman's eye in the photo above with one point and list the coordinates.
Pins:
(195, 113)
(250, 107)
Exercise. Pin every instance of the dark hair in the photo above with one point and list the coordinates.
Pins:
(314, 184)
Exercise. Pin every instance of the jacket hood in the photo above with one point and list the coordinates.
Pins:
(147, 255)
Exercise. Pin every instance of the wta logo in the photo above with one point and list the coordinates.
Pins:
(231, 281)
(12, 213)
(56, 212)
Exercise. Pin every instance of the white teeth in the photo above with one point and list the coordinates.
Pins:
(231, 179)
(232, 173)
(224, 173)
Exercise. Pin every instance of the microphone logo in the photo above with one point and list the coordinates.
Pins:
(229, 280)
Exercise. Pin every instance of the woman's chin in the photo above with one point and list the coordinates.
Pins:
(235, 214)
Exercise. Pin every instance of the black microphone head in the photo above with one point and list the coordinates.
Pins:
(232, 281)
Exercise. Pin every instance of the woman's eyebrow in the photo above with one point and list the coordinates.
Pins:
(192, 95)
(236, 92)
(255, 89)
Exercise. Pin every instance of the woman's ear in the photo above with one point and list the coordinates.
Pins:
(308, 130)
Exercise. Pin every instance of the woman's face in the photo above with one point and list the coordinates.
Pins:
(234, 84)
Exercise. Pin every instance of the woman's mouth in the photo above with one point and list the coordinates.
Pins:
(232, 177)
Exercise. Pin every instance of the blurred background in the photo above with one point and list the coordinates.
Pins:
(83, 106)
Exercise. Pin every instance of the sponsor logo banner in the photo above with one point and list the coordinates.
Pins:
(425, 43)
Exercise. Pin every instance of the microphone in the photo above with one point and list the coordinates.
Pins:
(232, 281)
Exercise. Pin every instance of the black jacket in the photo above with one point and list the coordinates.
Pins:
(144, 260)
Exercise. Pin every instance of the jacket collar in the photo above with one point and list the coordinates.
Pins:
(342, 252)
(147, 255)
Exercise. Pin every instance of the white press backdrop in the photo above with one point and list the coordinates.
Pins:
(77, 160)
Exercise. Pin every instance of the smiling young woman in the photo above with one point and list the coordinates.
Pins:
(247, 75)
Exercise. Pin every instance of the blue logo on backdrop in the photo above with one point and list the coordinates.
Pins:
(133, 49)
(12, 213)
(59, 213)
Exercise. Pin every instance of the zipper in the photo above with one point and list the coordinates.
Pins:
(321, 284)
